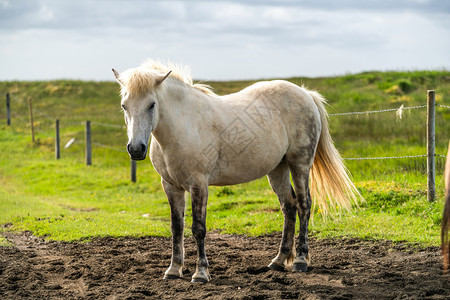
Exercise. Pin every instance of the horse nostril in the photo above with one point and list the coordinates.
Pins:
(129, 148)
(143, 148)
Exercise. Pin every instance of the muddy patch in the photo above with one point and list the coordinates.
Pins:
(132, 268)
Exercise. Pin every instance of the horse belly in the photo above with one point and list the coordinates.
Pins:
(252, 164)
(241, 173)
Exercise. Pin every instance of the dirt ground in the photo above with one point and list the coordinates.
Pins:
(131, 268)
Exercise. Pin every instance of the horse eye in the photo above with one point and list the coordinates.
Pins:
(152, 106)
(123, 107)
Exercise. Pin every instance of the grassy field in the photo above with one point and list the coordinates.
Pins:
(66, 200)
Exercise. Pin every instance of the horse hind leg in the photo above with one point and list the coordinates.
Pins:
(199, 197)
(300, 176)
(280, 183)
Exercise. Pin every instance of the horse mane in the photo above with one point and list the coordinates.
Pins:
(141, 80)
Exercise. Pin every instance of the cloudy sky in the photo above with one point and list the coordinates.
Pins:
(221, 40)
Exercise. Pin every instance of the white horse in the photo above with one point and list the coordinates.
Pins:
(272, 128)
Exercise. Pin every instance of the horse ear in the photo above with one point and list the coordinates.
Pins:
(160, 80)
(117, 75)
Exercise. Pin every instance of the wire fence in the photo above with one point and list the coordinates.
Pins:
(398, 111)
(392, 157)
(42, 116)
(431, 155)
(444, 106)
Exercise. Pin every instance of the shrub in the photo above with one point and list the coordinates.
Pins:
(405, 85)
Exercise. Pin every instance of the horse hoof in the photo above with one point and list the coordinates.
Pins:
(201, 275)
(300, 268)
(276, 267)
(171, 277)
(201, 280)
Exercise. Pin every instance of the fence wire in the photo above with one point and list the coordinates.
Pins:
(108, 147)
(108, 125)
(391, 157)
(399, 115)
(398, 110)
(444, 106)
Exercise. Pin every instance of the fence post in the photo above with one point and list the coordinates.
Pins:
(88, 144)
(431, 193)
(57, 141)
(8, 110)
(30, 107)
(133, 170)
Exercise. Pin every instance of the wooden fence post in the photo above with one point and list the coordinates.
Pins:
(30, 107)
(88, 144)
(431, 193)
(133, 170)
(8, 110)
(57, 141)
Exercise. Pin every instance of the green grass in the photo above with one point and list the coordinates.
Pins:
(392, 211)
(66, 200)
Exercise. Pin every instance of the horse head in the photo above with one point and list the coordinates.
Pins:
(140, 106)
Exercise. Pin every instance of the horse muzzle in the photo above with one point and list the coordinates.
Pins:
(137, 152)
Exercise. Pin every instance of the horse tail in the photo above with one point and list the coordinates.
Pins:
(445, 242)
(331, 186)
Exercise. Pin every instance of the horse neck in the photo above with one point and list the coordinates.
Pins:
(181, 108)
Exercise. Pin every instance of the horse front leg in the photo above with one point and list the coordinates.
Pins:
(177, 206)
(199, 198)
